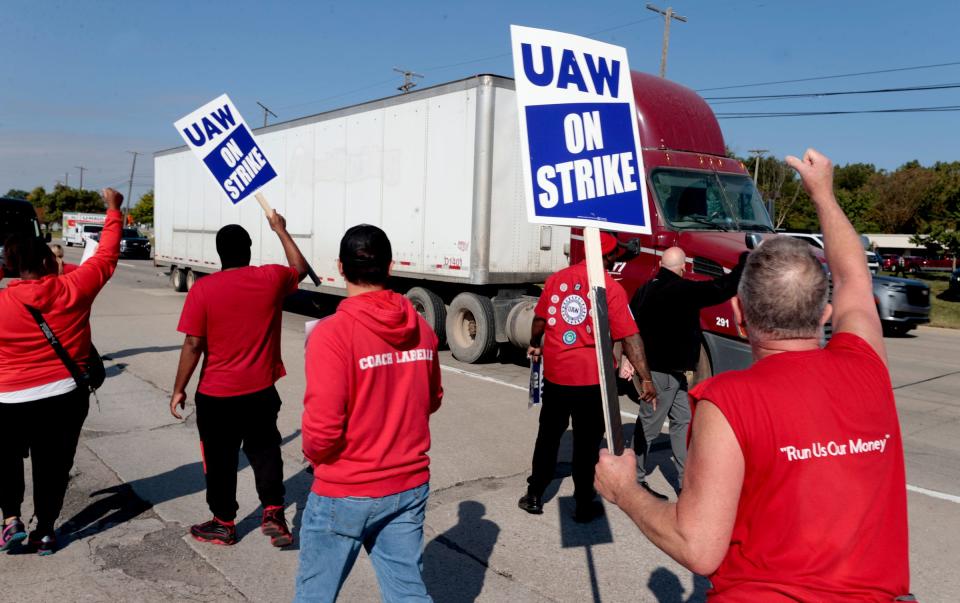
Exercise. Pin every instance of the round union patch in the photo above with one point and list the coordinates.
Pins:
(552, 321)
(569, 337)
(552, 310)
(564, 287)
(573, 310)
(554, 299)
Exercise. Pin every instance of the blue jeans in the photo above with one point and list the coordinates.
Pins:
(389, 528)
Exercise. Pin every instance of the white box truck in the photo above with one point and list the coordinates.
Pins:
(438, 169)
(78, 227)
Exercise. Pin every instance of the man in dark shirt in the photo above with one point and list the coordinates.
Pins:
(667, 311)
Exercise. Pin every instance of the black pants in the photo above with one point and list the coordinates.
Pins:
(226, 425)
(560, 403)
(48, 431)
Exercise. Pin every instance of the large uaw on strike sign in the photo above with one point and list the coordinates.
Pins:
(217, 134)
(582, 161)
(578, 135)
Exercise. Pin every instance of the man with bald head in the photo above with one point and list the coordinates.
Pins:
(667, 311)
(795, 486)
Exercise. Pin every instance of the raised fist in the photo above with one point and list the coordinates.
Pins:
(112, 198)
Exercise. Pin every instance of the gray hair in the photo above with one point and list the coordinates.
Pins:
(784, 290)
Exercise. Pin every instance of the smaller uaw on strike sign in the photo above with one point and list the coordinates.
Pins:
(578, 133)
(221, 139)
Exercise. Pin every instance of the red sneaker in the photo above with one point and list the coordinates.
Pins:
(274, 525)
(215, 532)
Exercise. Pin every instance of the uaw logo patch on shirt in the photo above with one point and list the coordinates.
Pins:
(573, 310)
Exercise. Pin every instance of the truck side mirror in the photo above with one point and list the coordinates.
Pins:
(632, 249)
(753, 240)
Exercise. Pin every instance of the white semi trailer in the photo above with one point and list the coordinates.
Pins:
(438, 169)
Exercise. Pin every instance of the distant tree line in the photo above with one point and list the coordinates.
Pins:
(913, 199)
(52, 205)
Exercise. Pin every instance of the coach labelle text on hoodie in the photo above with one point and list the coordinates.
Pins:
(373, 379)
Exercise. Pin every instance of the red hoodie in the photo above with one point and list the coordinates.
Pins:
(26, 358)
(373, 379)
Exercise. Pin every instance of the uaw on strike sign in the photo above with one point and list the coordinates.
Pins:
(579, 140)
(217, 134)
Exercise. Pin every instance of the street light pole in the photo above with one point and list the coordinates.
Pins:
(668, 15)
(265, 112)
(126, 208)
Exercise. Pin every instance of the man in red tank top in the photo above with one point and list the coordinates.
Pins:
(794, 488)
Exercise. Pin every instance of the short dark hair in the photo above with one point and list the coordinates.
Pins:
(365, 255)
(784, 290)
(233, 246)
(23, 253)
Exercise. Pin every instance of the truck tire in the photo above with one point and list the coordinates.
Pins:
(471, 327)
(704, 367)
(429, 305)
(178, 279)
(191, 279)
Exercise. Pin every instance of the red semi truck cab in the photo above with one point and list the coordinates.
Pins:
(700, 200)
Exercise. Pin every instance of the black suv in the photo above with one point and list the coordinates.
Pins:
(17, 216)
(134, 245)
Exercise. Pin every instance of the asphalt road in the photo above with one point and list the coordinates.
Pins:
(138, 484)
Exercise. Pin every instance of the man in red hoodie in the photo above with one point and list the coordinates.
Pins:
(373, 380)
(232, 318)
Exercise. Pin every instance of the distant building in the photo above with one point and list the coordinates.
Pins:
(892, 243)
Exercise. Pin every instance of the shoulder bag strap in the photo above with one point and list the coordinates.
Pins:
(78, 374)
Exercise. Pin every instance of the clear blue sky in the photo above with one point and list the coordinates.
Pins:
(83, 82)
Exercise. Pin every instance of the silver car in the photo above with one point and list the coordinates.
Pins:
(903, 303)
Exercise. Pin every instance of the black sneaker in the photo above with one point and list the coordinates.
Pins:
(587, 512)
(13, 533)
(215, 532)
(655, 494)
(274, 525)
(43, 543)
(531, 503)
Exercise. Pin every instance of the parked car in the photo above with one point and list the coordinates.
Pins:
(902, 303)
(914, 264)
(890, 262)
(816, 239)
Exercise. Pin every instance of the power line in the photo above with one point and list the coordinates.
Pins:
(727, 100)
(747, 115)
(830, 77)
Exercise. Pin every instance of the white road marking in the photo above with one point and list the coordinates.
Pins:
(934, 494)
(931, 493)
(125, 265)
(505, 383)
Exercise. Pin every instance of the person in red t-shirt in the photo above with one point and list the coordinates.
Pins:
(795, 487)
(373, 380)
(562, 334)
(232, 319)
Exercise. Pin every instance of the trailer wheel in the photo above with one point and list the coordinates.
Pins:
(471, 327)
(704, 367)
(178, 279)
(191, 279)
(429, 305)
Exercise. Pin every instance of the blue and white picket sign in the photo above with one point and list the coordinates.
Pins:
(217, 134)
(580, 146)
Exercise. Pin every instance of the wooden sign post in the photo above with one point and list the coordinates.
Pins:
(262, 200)
(596, 276)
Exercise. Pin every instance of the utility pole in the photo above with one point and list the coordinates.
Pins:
(265, 112)
(126, 208)
(668, 15)
(756, 170)
(82, 169)
(408, 82)
(66, 179)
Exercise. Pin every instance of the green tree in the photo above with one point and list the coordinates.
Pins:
(142, 212)
(15, 193)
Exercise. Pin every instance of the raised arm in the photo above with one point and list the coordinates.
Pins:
(92, 275)
(295, 257)
(854, 310)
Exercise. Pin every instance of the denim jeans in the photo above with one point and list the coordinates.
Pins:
(389, 528)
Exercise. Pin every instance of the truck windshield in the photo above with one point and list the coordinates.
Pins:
(708, 200)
